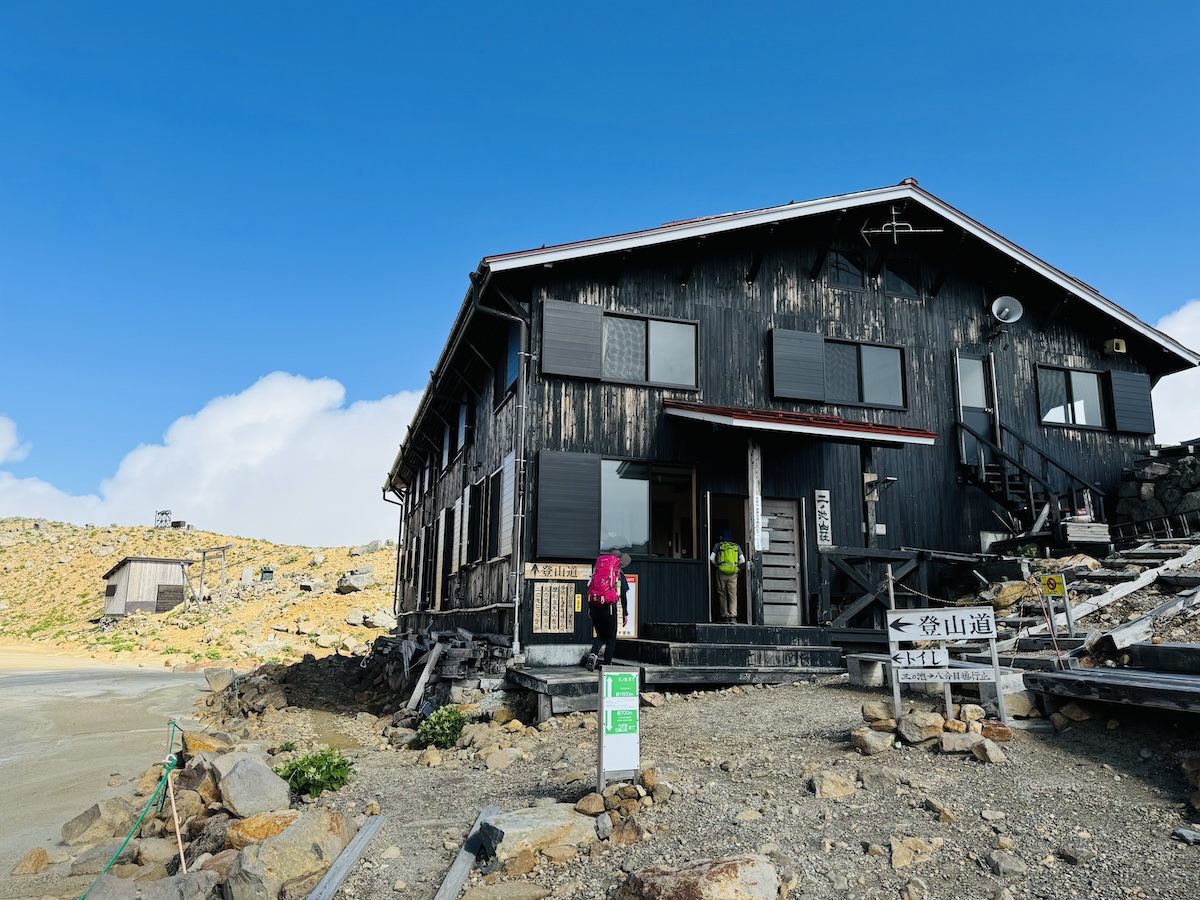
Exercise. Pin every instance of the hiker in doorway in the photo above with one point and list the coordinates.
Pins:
(728, 558)
(607, 588)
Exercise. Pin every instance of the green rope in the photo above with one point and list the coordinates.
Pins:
(162, 783)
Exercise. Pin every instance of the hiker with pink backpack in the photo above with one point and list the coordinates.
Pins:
(606, 589)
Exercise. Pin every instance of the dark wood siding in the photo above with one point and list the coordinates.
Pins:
(568, 507)
(762, 306)
(797, 365)
(1133, 410)
(571, 340)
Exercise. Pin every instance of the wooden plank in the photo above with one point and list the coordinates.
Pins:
(415, 699)
(1114, 594)
(341, 867)
(453, 883)
(1183, 659)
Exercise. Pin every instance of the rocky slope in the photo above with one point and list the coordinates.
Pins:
(52, 594)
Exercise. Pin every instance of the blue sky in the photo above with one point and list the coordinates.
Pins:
(196, 195)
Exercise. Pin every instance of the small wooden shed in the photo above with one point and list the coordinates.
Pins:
(143, 584)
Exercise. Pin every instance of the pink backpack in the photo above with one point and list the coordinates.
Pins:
(605, 578)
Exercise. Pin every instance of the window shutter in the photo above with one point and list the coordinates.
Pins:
(568, 514)
(439, 557)
(507, 496)
(571, 339)
(1133, 411)
(456, 540)
(797, 365)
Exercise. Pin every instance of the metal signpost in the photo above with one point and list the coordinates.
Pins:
(619, 723)
(923, 665)
(1054, 587)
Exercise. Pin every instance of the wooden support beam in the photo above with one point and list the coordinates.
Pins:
(414, 699)
(947, 264)
(1055, 310)
(815, 272)
(516, 308)
(760, 253)
(475, 350)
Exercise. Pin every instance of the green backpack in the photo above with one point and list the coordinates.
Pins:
(727, 557)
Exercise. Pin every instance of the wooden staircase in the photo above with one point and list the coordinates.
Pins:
(1041, 496)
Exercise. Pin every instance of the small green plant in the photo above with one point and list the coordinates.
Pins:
(325, 770)
(442, 729)
(172, 650)
(287, 746)
(273, 660)
(214, 653)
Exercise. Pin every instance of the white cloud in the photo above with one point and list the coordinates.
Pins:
(11, 450)
(284, 461)
(1177, 397)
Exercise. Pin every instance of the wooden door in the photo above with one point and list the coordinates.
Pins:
(977, 408)
(781, 563)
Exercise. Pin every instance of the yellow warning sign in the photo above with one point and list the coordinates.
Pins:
(1053, 586)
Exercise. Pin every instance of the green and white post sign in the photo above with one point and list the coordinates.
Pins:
(619, 745)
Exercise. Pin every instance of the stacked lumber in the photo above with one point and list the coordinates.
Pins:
(414, 661)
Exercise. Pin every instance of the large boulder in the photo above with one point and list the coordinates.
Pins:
(917, 726)
(536, 828)
(256, 829)
(301, 852)
(99, 822)
(868, 741)
(749, 877)
(192, 886)
(251, 788)
(349, 584)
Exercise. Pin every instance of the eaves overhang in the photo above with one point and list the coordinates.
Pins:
(828, 428)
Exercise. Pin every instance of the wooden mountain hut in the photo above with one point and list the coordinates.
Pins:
(144, 584)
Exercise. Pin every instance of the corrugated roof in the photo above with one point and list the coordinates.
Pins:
(153, 559)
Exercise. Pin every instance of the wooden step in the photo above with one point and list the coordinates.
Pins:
(681, 654)
(717, 633)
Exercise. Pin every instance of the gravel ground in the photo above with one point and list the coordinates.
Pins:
(1108, 791)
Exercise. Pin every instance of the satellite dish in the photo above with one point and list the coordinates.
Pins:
(1007, 310)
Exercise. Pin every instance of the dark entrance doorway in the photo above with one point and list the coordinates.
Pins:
(727, 511)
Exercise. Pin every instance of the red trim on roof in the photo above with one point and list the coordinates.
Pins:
(779, 417)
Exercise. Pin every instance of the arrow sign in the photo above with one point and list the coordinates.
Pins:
(955, 623)
(921, 658)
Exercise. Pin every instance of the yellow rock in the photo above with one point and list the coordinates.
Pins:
(32, 862)
(200, 742)
(255, 829)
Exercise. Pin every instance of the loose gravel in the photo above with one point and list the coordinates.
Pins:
(1106, 793)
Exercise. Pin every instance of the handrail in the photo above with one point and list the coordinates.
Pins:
(1016, 462)
(1054, 494)
(1025, 442)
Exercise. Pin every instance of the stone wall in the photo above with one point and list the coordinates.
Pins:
(1159, 487)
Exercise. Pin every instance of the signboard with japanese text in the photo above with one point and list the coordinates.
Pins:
(955, 676)
(554, 607)
(824, 519)
(956, 624)
(619, 725)
(559, 571)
